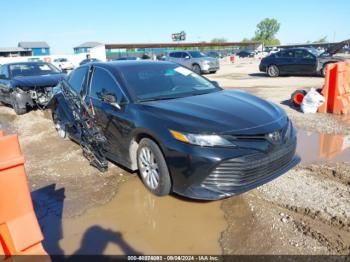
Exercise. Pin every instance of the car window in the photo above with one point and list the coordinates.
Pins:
(4, 71)
(77, 78)
(103, 83)
(184, 54)
(178, 54)
(286, 54)
(303, 54)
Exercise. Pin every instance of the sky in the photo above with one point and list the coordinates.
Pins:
(68, 23)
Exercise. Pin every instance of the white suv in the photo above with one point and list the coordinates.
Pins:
(195, 60)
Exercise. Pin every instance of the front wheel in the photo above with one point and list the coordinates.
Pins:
(14, 103)
(197, 69)
(273, 71)
(153, 168)
(60, 128)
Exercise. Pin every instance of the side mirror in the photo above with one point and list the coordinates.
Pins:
(187, 57)
(215, 83)
(3, 77)
(110, 99)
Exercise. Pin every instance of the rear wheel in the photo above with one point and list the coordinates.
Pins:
(273, 71)
(197, 69)
(297, 97)
(153, 168)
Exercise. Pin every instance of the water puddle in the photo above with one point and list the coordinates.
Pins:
(318, 147)
(136, 222)
(6, 123)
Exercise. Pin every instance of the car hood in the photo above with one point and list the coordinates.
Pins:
(37, 81)
(223, 112)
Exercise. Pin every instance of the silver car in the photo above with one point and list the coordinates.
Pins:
(195, 60)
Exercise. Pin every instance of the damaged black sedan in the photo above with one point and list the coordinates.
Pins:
(182, 132)
(27, 84)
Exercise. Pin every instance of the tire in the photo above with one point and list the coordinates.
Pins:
(16, 107)
(197, 69)
(324, 70)
(61, 129)
(153, 168)
(297, 97)
(273, 71)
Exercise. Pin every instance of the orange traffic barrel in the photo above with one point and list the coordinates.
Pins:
(19, 229)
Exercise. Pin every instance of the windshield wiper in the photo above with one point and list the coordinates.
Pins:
(159, 98)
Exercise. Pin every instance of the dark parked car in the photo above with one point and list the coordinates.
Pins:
(27, 84)
(127, 58)
(89, 60)
(245, 54)
(299, 61)
(182, 132)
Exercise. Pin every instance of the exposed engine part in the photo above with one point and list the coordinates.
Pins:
(41, 96)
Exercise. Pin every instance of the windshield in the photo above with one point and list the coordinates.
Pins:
(315, 52)
(197, 54)
(164, 81)
(32, 69)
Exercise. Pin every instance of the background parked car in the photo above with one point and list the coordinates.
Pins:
(127, 58)
(245, 53)
(297, 61)
(214, 54)
(27, 84)
(195, 60)
(63, 64)
(89, 60)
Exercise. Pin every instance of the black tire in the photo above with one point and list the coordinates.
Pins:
(297, 96)
(163, 186)
(61, 129)
(324, 70)
(197, 69)
(273, 71)
(19, 110)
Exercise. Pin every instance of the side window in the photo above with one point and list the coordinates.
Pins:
(172, 54)
(103, 83)
(77, 78)
(177, 55)
(184, 54)
(287, 54)
(4, 71)
(303, 54)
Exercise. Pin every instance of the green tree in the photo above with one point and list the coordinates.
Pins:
(219, 40)
(266, 31)
(321, 40)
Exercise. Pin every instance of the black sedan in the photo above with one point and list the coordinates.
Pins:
(182, 132)
(297, 61)
(27, 84)
(245, 53)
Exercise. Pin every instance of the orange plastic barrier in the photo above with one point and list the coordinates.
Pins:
(20, 233)
(330, 145)
(337, 89)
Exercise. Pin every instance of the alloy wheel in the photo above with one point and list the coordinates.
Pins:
(149, 168)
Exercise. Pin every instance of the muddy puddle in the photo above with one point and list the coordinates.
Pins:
(317, 147)
(136, 222)
(6, 123)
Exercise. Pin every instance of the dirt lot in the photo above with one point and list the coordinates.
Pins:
(306, 211)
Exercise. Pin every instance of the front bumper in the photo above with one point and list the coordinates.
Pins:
(216, 173)
(207, 68)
